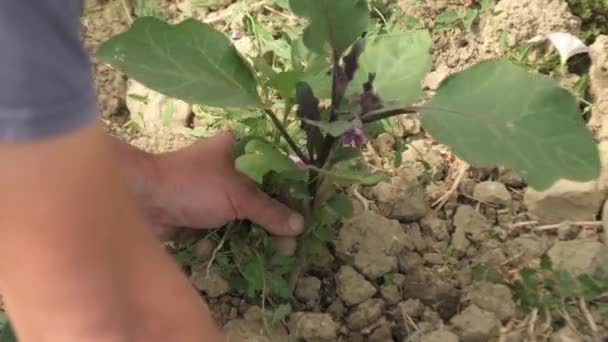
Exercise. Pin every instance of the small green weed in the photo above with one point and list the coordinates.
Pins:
(594, 14)
(147, 8)
(549, 289)
(466, 17)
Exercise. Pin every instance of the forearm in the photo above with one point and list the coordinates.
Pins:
(57, 252)
(69, 266)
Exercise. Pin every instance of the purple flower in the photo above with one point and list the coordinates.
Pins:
(353, 137)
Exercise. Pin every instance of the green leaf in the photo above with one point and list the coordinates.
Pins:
(261, 158)
(481, 272)
(314, 67)
(7, 334)
(285, 83)
(277, 285)
(400, 62)
(352, 173)
(337, 23)
(189, 61)
(590, 286)
(341, 205)
(344, 153)
(497, 113)
(565, 284)
(546, 263)
(470, 15)
(445, 19)
(280, 313)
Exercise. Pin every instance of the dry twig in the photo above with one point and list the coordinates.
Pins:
(589, 317)
(441, 201)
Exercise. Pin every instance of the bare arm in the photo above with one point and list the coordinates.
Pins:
(76, 260)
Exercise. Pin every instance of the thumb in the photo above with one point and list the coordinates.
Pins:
(253, 204)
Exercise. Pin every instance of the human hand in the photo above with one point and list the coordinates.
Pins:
(199, 187)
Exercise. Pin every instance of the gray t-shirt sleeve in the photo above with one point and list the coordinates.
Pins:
(45, 82)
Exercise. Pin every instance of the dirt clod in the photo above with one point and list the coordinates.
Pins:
(371, 242)
(212, 284)
(412, 308)
(314, 327)
(352, 287)
(495, 298)
(440, 336)
(530, 18)
(565, 200)
(579, 256)
(435, 227)
(493, 193)
(471, 226)
(308, 289)
(403, 197)
(390, 293)
(365, 314)
(375, 265)
(476, 325)
(382, 334)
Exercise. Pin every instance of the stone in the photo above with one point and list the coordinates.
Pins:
(308, 289)
(213, 284)
(476, 325)
(404, 198)
(580, 257)
(440, 336)
(565, 201)
(492, 192)
(365, 314)
(352, 287)
(312, 327)
(469, 224)
(203, 249)
(495, 298)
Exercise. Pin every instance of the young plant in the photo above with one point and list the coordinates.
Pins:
(341, 83)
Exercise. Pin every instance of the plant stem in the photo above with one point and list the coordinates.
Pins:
(286, 136)
(387, 113)
(336, 98)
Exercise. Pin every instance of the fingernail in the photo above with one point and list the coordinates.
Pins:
(296, 223)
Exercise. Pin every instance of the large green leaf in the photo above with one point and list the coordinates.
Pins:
(400, 62)
(497, 113)
(190, 61)
(335, 22)
(261, 158)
